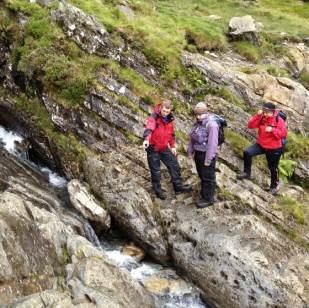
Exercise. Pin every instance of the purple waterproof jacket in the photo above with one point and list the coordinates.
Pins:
(204, 138)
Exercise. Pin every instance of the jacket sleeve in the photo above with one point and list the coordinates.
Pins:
(254, 122)
(212, 143)
(149, 128)
(172, 141)
(280, 131)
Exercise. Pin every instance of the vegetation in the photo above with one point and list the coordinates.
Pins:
(297, 146)
(238, 142)
(293, 208)
(304, 79)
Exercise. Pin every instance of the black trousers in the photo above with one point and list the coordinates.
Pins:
(154, 158)
(207, 175)
(272, 156)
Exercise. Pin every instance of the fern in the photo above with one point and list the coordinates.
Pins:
(286, 169)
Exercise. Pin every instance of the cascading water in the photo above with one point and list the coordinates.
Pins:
(184, 296)
(11, 140)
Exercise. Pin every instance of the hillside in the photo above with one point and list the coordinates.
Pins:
(78, 79)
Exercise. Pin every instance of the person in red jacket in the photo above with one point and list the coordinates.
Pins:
(271, 131)
(159, 143)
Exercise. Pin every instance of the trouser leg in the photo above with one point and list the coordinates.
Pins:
(273, 159)
(173, 167)
(153, 158)
(207, 175)
(250, 152)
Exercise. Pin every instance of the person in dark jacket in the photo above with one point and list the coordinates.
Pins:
(203, 145)
(159, 143)
(271, 131)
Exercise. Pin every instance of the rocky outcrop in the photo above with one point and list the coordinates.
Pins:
(40, 244)
(127, 202)
(239, 260)
(245, 28)
(251, 88)
(84, 202)
(92, 36)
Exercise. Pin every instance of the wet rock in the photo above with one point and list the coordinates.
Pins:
(245, 28)
(92, 278)
(128, 202)
(133, 251)
(83, 201)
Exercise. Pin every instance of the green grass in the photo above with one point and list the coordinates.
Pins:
(297, 146)
(237, 142)
(293, 208)
(304, 79)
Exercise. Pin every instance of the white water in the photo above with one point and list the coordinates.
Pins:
(186, 297)
(9, 140)
(182, 298)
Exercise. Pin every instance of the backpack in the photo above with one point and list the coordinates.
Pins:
(221, 123)
(283, 116)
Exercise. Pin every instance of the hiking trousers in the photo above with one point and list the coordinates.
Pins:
(207, 174)
(169, 160)
(272, 156)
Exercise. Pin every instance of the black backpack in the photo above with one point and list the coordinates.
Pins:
(221, 123)
(283, 116)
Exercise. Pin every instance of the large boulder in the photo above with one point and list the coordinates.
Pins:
(84, 202)
(128, 202)
(245, 28)
(239, 260)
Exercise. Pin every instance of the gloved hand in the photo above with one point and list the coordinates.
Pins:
(145, 144)
(174, 151)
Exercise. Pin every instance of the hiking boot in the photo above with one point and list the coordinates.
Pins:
(201, 203)
(243, 175)
(273, 191)
(160, 194)
(183, 189)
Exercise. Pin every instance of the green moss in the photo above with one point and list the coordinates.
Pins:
(237, 142)
(226, 195)
(304, 79)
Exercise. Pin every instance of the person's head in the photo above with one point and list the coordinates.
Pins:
(166, 108)
(268, 109)
(200, 110)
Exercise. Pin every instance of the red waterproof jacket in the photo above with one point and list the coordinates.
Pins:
(160, 133)
(273, 139)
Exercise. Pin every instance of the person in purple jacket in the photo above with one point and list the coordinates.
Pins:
(203, 145)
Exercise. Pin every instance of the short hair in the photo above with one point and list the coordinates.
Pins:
(167, 104)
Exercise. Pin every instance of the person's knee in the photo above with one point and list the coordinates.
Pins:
(247, 153)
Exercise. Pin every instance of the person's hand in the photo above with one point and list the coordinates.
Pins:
(207, 164)
(174, 151)
(268, 129)
(145, 144)
(190, 156)
(260, 112)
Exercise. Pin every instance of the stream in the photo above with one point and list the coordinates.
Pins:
(168, 289)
